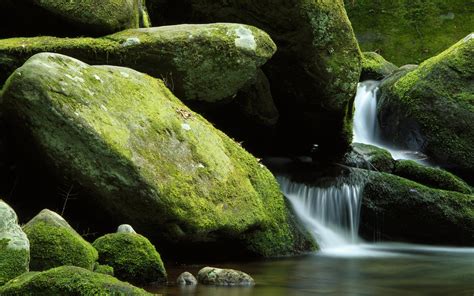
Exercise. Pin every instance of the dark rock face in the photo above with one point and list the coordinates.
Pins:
(313, 75)
(397, 209)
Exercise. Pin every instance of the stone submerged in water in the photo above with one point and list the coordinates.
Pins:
(186, 279)
(55, 243)
(14, 245)
(224, 277)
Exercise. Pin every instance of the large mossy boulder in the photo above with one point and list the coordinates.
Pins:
(409, 31)
(55, 243)
(68, 280)
(397, 209)
(70, 18)
(206, 63)
(431, 109)
(315, 71)
(133, 258)
(375, 67)
(145, 158)
(14, 245)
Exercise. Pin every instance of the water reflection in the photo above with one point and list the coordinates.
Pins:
(395, 269)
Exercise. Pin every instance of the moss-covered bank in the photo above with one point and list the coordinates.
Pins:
(409, 31)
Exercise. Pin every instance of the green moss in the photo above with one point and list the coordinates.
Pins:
(68, 280)
(400, 209)
(164, 169)
(409, 31)
(375, 67)
(370, 157)
(104, 269)
(432, 177)
(13, 262)
(54, 243)
(133, 258)
(104, 16)
(432, 108)
(198, 62)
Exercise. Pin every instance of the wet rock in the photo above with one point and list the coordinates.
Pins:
(224, 277)
(186, 279)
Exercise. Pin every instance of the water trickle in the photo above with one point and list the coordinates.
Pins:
(366, 127)
(330, 214)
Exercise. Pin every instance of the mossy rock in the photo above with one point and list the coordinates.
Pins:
(409, 31)
(55, 243)
(401, 210)
(206, 63)
(431, 177)
(70, 18)
(104, 269)
(315, 71)
(369, 157)
(375, 67)
(133, 258)
(147, 159)
(14, 245)
(431, 109)
(68, 280)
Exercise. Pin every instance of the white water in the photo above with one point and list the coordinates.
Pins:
(366, 127)
(331, 214)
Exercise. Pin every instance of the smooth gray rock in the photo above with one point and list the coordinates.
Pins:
(224, 277)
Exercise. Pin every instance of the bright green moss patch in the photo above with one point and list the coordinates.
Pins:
(68, 280)
(104, 269)
(54, 243)
(13, 262)
(133, 258)
(409, 31)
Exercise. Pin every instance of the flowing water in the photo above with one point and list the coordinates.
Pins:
(346, 265)
(366, 127)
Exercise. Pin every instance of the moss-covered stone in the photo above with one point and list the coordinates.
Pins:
(68, 280)
(375, 67)
(369, 157)
(132, 256)
(431, 177)
(70, 18)
(315, 71)
(197, 62)
(145, 158)
(104, 269)
(395, 208)
(54, 243)
(409, 31)
(431, 109)
(14, 245)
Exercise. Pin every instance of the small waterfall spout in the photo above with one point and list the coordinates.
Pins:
(366, 127)
(330, 214)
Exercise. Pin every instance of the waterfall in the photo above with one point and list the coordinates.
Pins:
(366, 127)
(330, 214)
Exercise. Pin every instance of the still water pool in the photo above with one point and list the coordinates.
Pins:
(380, 269)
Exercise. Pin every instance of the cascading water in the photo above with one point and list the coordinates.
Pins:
(366, 128)
(331, 214)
